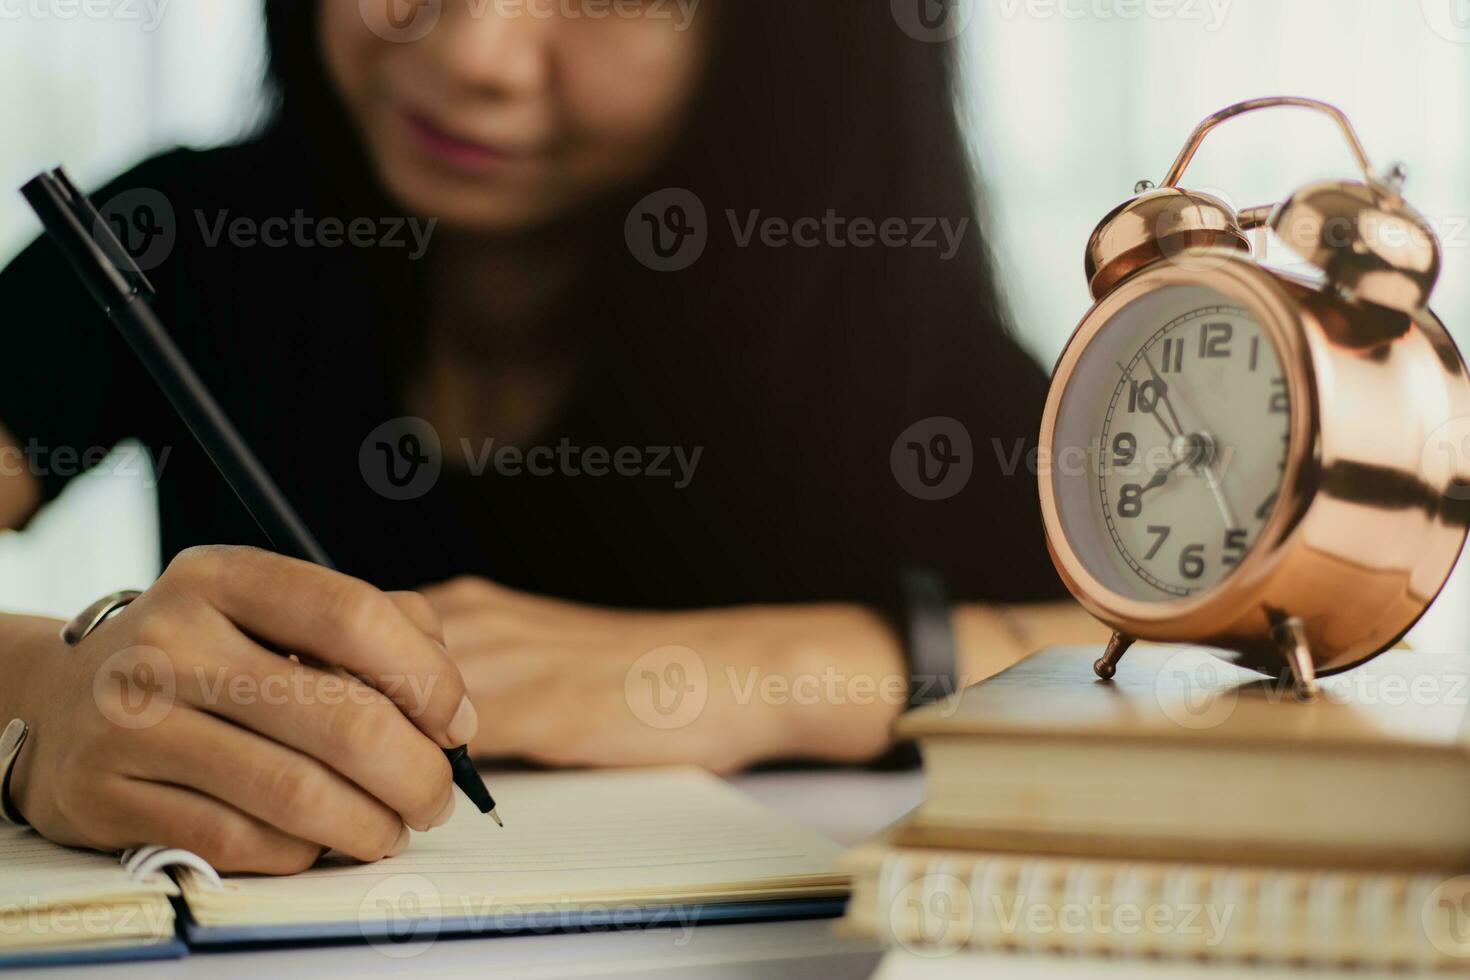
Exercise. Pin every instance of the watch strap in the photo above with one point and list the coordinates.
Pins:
(927, 630)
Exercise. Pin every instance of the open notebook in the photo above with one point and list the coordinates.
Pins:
(56, 903)
(674, 847)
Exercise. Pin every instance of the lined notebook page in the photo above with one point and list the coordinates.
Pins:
(54, 897)
(35, 871)
(649, 836)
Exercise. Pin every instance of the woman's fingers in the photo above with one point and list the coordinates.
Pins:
(144, 813)
(334, 718)
(463, 594)
(340, 621)
(525, 611)
(288, 790)
(420, 612)
(509, 670)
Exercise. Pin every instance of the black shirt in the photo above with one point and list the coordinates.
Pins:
(713, 489)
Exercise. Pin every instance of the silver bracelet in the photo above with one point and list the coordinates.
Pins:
(96, 614)
(11, 740)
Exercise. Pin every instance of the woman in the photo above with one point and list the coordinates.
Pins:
(441, 223)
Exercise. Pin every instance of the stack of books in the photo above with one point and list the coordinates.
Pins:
(1185, 809)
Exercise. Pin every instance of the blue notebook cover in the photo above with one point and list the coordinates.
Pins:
(206, 938)
(540, 923)
(168, 949)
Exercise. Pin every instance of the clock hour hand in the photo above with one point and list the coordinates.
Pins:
(1161, 477)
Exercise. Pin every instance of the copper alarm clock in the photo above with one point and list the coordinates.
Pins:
(1245, 457)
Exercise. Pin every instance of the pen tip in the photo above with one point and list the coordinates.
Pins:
(496, 817)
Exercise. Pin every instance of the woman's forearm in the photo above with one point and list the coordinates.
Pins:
(570, 684)
(20, 491)
(839, 671)
(25, 644)
(989, 638)
(23, 639)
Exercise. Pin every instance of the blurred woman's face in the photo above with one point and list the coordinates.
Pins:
(501, 115)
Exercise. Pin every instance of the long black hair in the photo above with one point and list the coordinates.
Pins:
(807, 108)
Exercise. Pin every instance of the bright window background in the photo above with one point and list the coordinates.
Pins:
(100, 94)
(1070, 103)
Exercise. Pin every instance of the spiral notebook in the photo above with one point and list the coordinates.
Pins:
(935, 902)
(65, 906)
(623, 849)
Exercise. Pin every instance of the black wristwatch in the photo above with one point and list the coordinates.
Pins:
(919, 613)
(926, 628)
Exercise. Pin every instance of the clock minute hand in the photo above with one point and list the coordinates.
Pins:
(1213, 480)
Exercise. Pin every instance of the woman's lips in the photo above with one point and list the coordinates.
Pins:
(452, 149)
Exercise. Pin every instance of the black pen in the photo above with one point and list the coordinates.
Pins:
(121, 289)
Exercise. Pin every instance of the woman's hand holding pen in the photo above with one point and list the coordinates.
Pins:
(178, 722)
(577, 685)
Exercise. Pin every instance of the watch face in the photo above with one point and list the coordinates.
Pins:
(1171, 443)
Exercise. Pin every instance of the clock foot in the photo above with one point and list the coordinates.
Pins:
(1107, 665)
(1291, 636)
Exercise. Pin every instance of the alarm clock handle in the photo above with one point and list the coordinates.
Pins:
(1355, 145)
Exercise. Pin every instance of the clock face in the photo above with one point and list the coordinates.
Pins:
(1171, 443)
